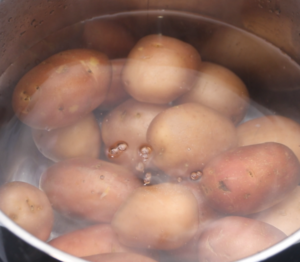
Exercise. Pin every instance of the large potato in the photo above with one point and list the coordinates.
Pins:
(119, 257)
(62, 89)
(233, 238)
(88, 188)
(89, 241)
(163, 216)
(127, 125)
(185, 137)
(270, 129)
(285, 215)
(27, 206)
(220, 89)
(159, 69)
(83, 138)
(249, 179)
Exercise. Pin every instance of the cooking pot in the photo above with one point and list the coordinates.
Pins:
(257, 39)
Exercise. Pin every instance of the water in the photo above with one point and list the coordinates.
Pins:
(271, 76)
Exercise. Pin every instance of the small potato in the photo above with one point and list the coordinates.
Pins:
(127, 126)
(28, 207)
(89, 188)
(270, 129)
(185, 137)
(119, 257)
(233, 238)
(83, 138)
(116, 92)
(89, 241)
(220, 89)
(285, 215)
(108, 37)
(250, 179)
(163, 216)
(159, 69)
(62, 89)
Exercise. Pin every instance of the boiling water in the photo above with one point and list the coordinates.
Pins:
(271, 76)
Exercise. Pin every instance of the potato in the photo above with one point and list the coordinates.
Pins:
(220, 89)
(183, 138)
(160, 69)
(83, 138)
(127, 126)
(163, 216)
(249, 179)
(28, 207)
(233, 238)
(119, 257)
(93, 240)
(89, 188)
(270, 129)
(62, 89)
(285, 215)
(108, 37)
(116, 92)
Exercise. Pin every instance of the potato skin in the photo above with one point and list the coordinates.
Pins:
(232, 238)
(62, 89)
(119, 257)
(28, 207)
(185, 137)
(249, 179)
(163, 216)
(159, 69)
(89, 188)
(83, 138)
(89, 241)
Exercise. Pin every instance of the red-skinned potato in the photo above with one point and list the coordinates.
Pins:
(233, 238)
(163, 216)
(93, 240)
(277, 129)
(127, 126)
(89, 188)
(285, 215)
(108, 37)
(184, 137)
(119, 257)
(220, 89)
(159, 69)
(62, 89)
(28, 207)
(250, 179)
(83, 138)
(116, 93)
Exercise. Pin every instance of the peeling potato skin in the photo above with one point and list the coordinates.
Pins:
(250, 179)
(88, 188)
(223, 239)
(62, 89)
(28, 207)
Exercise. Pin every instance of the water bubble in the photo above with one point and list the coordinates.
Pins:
(117, 149)
(179, 179)
(147, 178)
(145, 152)
(122, 146)
(140, 167)
(196, 175)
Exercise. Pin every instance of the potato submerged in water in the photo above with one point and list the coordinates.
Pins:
(62, 89)
(163, 216)
(160, 69)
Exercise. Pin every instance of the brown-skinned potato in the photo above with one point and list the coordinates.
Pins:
(62, 89)
(159, 69)
(122, 257)
(88, 188)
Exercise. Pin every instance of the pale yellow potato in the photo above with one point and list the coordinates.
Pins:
(159, 69)
(82, 138)
(28, 207)
(119, 257)
(220, 89)
(185, 137)
(163, 216)
(270, 129)
(127, 125)
(285, 215)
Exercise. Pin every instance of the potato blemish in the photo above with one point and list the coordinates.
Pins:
(223, 187)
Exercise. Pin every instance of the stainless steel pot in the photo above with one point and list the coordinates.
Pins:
(31, 30)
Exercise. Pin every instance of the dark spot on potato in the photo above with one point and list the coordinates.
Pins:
(102, 177)
(250, 173)
(123, 114)
(61, 108)
(205, 189)
(13, 217)
(157, 45)
(89, 71)
(223, 187)
(138, 115)
(37, 88)
(246, 196)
